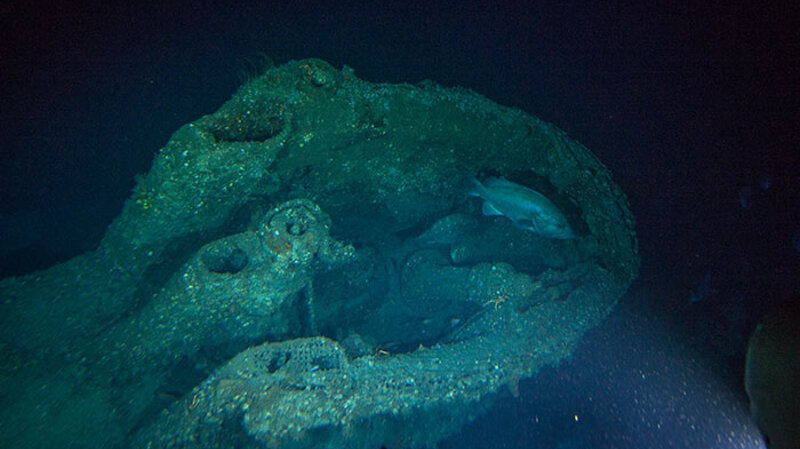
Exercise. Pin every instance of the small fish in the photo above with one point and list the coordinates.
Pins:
(746, 197)
(702, 290)
(526, 208)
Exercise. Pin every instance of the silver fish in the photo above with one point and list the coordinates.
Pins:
(527, 208)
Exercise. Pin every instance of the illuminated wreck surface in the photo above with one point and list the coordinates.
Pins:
(303, 269)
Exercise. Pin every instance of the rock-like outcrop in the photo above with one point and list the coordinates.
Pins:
(286, 275)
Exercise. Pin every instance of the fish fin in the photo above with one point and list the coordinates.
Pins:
(527, 225)
(489, 210)
(498, 182)
(473, 187)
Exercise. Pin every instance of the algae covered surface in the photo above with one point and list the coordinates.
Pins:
(302, 268)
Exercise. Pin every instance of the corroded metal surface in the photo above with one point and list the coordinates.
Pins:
(302, 268)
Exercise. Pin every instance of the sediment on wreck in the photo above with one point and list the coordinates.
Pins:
(370, 332)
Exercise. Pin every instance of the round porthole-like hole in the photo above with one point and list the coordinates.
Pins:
(296, 228)
(224, 260)
(256, 123)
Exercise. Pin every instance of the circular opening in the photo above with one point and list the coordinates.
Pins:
(224, 260)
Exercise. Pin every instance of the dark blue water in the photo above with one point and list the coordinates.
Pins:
(637, 381)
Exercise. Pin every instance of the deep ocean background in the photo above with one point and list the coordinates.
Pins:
(694, 108)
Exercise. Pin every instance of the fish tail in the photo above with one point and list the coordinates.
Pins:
(472, 186)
